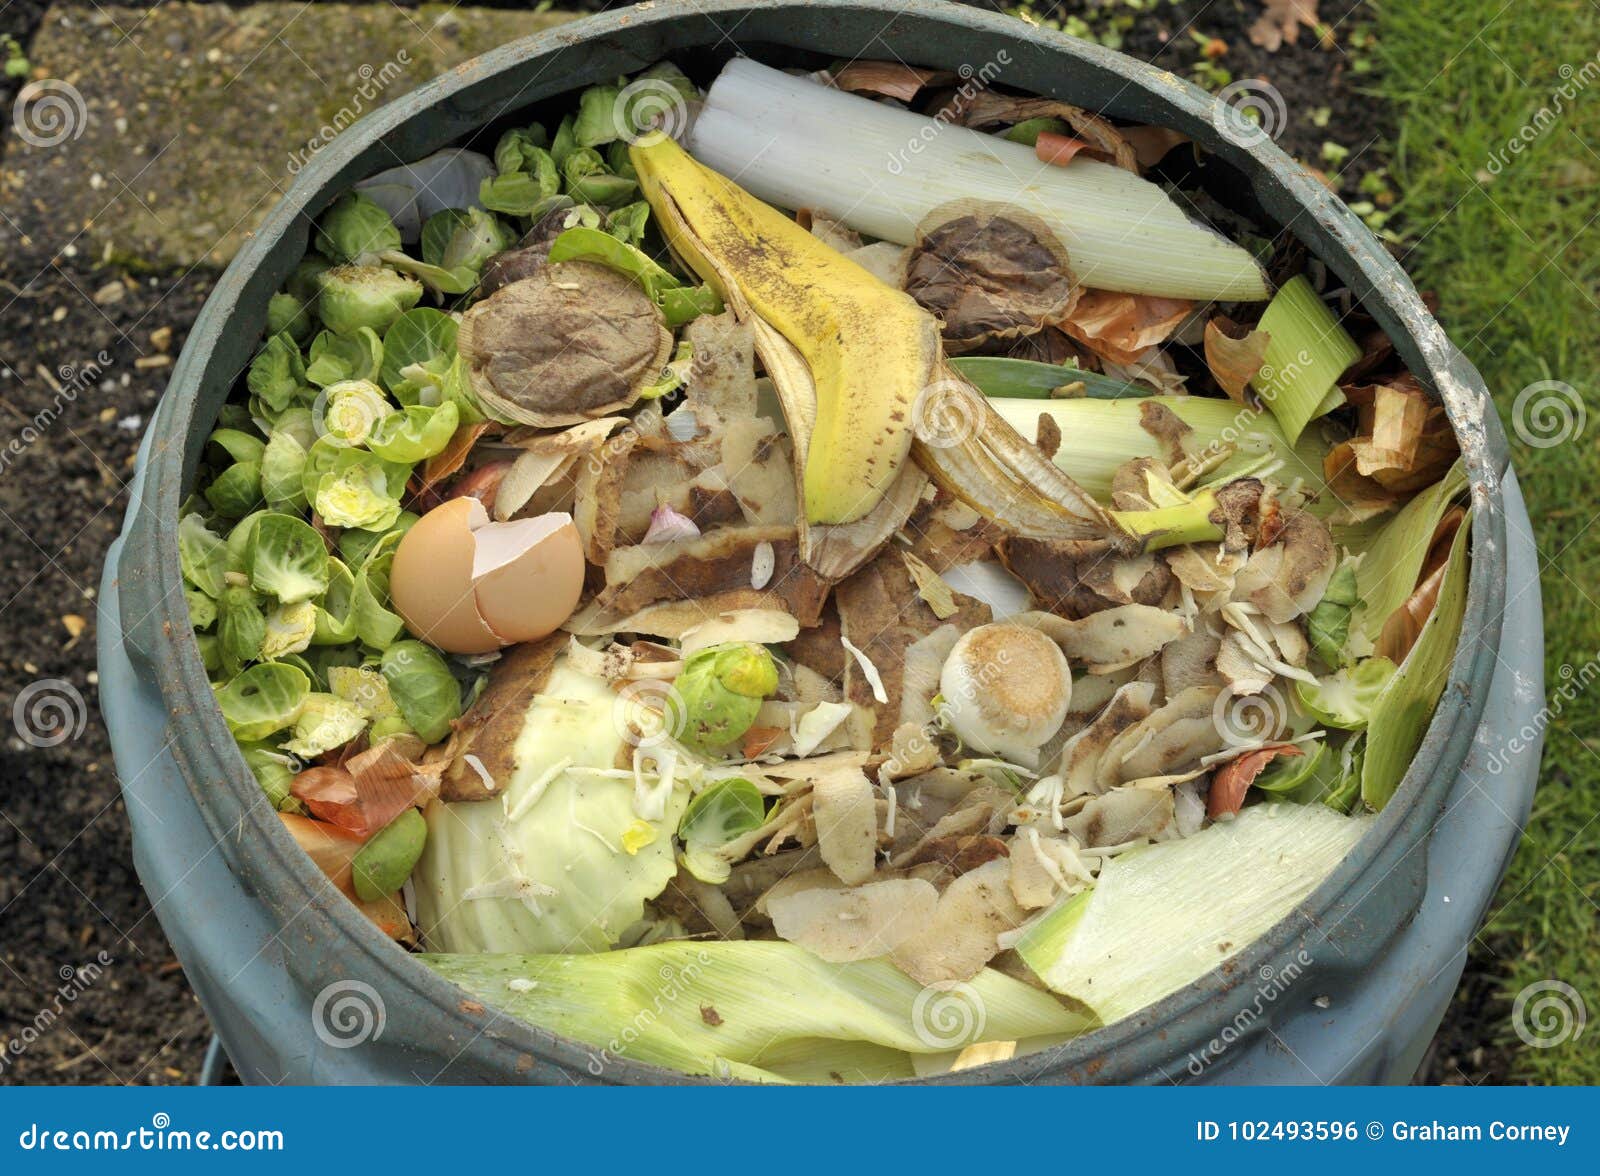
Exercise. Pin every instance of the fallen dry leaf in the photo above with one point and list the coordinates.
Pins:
(1280, 21)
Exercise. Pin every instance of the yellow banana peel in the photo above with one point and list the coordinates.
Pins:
(868, 350)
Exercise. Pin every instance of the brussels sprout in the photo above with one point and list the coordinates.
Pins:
(287, 559)
(719, 692)
(620, 164)
(237, 444)
(456, 388)
(436, 278)
(414, 434)
(351, 409)
(297, 422)
(335, 615)
(356, 227)
(276, 373)
(356, 296)
(288, 315)
(241, 625)
(678, 303)
(564, 143)
(423, 688)
(355, 545)
(324, 723)
(336, 358)
(366, 687)
(360, 490)
(274, 771)
(377, 624)
(519, 193)
(464, 237)
(513, 153)
(1328, 625)
(236, 491)
(306, 280)
(1295, 778)
(589, 182)
(202, 609)
(421, 337)
(724, 811)
(321, 660)
(210, 652)
(599, 116)
(385, 862)
(289, 629)
(1344, 699)
(282, 466)
(238, 543)
(236, 416)
(388, 727)
(263, 699)
(627, 224)
(202, 555)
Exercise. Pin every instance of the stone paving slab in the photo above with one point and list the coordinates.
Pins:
(164, 135)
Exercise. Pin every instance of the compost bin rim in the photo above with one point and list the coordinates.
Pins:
(238, 814)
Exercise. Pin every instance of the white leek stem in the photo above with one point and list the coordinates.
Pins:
(881, 170)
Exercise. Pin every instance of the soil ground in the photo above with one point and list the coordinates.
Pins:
(67, 886)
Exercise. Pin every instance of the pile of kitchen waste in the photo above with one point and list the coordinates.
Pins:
(791, 610)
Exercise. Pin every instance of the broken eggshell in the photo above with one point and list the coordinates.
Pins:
(468, 585)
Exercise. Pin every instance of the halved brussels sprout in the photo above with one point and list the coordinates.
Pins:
(324, 723)
(351, 408)
(287, 558)
(290, 628)
(263, 699)
(724, 811)
(336, 358)
(415, 433)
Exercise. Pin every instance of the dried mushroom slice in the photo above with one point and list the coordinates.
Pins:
(571, 343)
(988, 271)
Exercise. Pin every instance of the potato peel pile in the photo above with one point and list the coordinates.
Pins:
(864, 596)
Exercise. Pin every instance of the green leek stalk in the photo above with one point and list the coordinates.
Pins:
(1097, 436)
(759, 1011)
(1172, 526)
(1028, 379)
(1161, 917)
(1307, 351)
(882, 170)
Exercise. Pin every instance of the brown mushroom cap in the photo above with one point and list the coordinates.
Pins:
(573, 342)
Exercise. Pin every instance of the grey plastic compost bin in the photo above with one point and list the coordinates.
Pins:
(1374, 953)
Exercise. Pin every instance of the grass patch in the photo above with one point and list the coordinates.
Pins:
(1505, 237)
